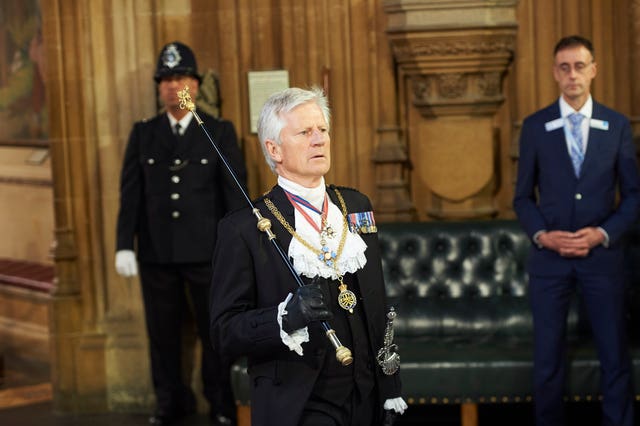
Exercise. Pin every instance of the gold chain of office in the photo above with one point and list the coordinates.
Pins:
(346, 299)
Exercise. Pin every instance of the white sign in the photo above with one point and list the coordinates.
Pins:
(263, 84)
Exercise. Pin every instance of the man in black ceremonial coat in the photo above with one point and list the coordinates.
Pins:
(174, 190)
(257, 309)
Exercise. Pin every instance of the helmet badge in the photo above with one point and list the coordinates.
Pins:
(171, 56)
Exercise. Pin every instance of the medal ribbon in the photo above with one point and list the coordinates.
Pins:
(346, 299)
(299, 202)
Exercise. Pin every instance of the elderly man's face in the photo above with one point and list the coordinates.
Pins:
(304, 155)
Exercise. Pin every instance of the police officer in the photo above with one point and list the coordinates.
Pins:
(173, 191)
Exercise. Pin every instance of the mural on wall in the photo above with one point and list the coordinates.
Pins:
(23, 114)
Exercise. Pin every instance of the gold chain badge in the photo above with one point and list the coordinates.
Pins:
(346, 299)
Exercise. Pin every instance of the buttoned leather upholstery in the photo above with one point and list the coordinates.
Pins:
(464, 326)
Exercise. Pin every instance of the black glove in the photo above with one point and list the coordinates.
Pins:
(308, 304)
(389, 417)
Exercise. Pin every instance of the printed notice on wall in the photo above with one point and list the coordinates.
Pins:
(263, 84)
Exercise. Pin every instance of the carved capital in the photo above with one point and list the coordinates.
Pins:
(457, 73)
(465, 48)
(453, 53)
(477, 93)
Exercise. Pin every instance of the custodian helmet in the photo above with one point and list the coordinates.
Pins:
(176, 59)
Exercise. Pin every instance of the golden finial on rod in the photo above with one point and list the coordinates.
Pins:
(185, 99)
(187, 103)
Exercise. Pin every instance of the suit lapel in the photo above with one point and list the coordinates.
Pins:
(557, 140)
(164, 134)
(182, 143)
(186, 142)
(559, 144)
(594, 143)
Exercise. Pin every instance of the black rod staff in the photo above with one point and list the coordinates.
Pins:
(343, 354)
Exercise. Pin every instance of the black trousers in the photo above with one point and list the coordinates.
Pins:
(358, 410)
(164, 290)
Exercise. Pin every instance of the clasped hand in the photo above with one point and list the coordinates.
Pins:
(572, 244)
(308, 304)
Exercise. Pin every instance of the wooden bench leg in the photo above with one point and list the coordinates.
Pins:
(469, 414)
(244, 415)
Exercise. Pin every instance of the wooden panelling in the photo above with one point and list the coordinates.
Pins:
(101, 57)
(26, 197)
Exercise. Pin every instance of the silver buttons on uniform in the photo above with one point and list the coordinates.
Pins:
(178, 164)
(578, 196)
(151, 161)
(204, 161)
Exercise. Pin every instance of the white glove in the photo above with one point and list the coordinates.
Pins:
(126, 264)
(396, 404)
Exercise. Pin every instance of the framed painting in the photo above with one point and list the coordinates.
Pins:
(23, 111)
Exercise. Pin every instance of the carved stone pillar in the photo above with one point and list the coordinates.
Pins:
(392, 201)
(99, 355)
(451, 59)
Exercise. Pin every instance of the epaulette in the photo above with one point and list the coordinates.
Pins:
(342, 188)
(261, 197)
(147, 119)
(234, 210)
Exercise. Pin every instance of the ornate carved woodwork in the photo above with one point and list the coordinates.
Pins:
(451, 59)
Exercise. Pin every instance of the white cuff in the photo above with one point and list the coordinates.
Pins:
(605, 243)
(294, 340)
(396, 404)
(536, 238)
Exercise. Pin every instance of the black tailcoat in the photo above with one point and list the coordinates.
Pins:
(250, 280)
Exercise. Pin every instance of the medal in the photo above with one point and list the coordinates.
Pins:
(327, 232)
(346, 299)
(327, 256)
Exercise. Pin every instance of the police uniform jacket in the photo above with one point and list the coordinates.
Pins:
(174, 190)
(251, 280)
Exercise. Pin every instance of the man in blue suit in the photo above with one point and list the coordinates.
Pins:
(568, 178)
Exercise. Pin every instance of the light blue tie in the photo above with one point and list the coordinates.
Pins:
(577, 151)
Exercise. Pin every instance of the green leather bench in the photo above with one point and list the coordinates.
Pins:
(464, 327)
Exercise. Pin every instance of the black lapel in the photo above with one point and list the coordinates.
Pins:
(164, 133)
(280, 200)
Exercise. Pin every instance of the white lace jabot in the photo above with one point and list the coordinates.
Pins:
(306, 262)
